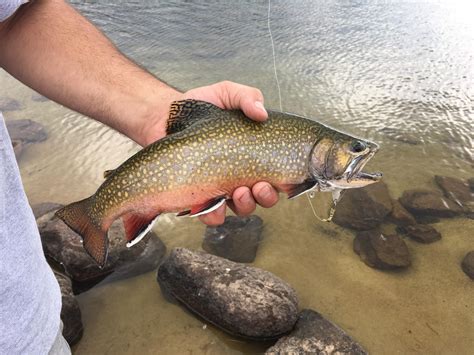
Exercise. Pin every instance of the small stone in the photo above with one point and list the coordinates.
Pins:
(64, 246)
(17, 148)
(428, 202)
(467, 264)
(70, 311)
(237, 239)
(365, 208)
(26, 131)
(421, 233)
(8, 104)
(40, 209)
(382, 251)
(313, 334)
(400, 216)
(456, 189)
(242, 300)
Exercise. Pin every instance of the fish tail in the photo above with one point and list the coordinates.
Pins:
(79, 218)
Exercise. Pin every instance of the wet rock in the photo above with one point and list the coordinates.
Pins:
(364, 208)
(400, 216)
(26, 131)
(70, 311)
(470, 181)
(17, 148)
(421, 233)
(8, 104)
(64, 247)
(467, 264)
(242, 300)
(457, 190)
(40, 209)
(313, 334)
(237, 239)
(39, 98)
(382, 251)
(428, 202)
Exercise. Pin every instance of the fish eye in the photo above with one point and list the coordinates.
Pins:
(358, 146)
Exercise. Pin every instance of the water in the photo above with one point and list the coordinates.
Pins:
(379, 70)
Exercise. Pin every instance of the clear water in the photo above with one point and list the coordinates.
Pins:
(378, 70)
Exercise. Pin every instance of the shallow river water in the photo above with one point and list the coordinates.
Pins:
(398, 73)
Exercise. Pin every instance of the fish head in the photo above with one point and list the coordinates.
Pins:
(337, 161)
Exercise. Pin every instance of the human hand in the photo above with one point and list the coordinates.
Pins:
(229, 95)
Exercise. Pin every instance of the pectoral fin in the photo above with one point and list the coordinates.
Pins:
(298, 190)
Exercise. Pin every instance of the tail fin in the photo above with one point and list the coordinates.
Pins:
(77, 216)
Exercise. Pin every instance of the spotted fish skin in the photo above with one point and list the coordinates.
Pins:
(207, 158)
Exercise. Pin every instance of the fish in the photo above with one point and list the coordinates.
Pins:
(207, 153)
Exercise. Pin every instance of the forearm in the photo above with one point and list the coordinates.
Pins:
(53, 49)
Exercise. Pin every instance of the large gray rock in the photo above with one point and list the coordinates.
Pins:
(70, 311)
(64, 246)
(242, 300)
(313, 334)
(8, 104)
(40, 209)
(467, 264)
(382, 251)
(237, 239)
(429, 202)
(26, 131)
(365, 208)
(421, 233)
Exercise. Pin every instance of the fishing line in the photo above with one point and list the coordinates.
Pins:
(310, 194)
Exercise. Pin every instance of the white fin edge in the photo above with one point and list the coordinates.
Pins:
(212, 208)
(142, 234)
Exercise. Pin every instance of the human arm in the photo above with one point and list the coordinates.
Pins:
(53, 49)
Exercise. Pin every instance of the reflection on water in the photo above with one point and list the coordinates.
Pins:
(400, 74)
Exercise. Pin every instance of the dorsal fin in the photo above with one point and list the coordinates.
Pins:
(185, 113)
(107, 173)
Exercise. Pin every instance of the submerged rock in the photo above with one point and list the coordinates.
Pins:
(8, 104)
(242, 300)
(64, 246)
(428, 202)
(400, 216)
(26, 131)
(421, 233)
(365, 208)
(70, 311)
(467, 264)
(40, 209)
(457, 190)
(382, 251)
(313, 334)
(470, 181)
(237, 239)
(17, 148)
(400, 136)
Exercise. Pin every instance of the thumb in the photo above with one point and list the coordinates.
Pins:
(246, 98)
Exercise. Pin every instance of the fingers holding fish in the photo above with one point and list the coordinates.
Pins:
(265, 195)
(242, 202)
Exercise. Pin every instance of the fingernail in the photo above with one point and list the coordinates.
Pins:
(245, 198)
(265, 192)
(259, 105)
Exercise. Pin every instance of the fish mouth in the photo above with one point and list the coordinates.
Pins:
(354, 176)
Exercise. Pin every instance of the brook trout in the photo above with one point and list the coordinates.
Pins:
(207, 154)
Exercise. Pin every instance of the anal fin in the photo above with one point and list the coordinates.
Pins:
(207, 207)
(137, 226)
(298, 190)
